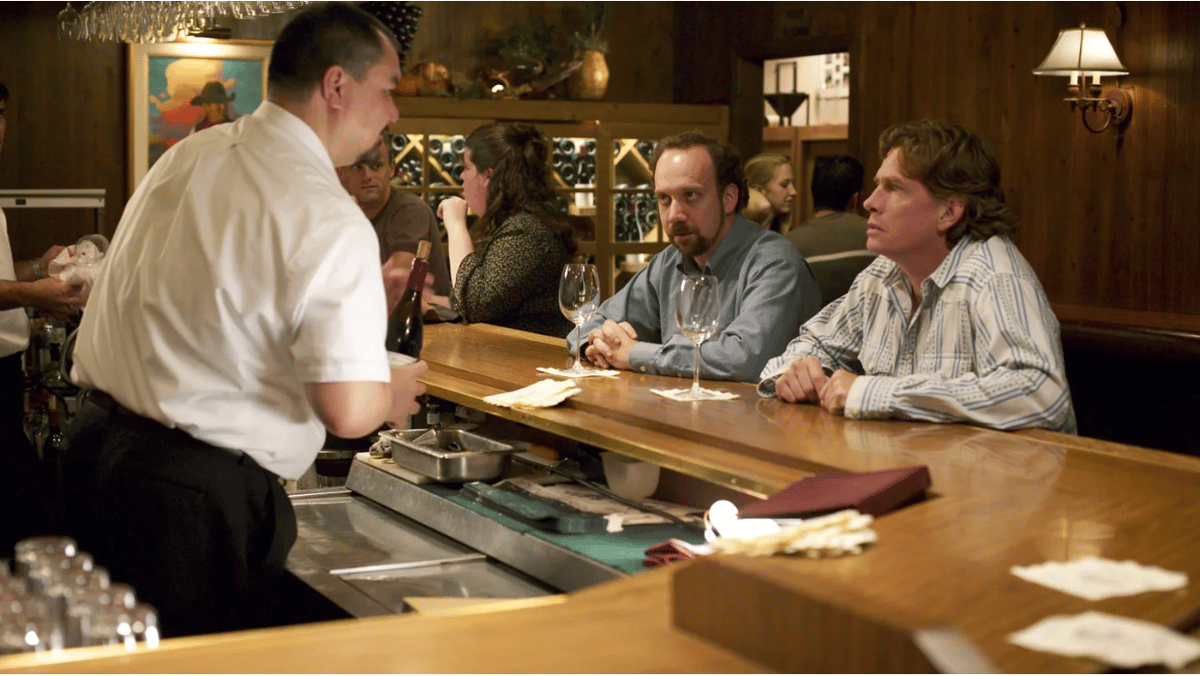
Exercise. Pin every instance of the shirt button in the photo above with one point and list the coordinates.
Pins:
(643, 369)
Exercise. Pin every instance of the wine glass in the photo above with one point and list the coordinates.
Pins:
(697, 314)
(578, 298)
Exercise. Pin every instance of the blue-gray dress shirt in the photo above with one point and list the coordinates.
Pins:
(767, 290)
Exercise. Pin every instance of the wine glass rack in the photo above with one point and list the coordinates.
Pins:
(608, 199)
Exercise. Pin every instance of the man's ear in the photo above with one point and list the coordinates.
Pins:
(952, 212)
(730, 199)
(852, 203)
(332, 84)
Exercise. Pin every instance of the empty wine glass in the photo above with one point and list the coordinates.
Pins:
(697, 314)
(578, 298)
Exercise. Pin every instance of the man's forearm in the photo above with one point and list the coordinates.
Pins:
(12, 295)
(29, 271)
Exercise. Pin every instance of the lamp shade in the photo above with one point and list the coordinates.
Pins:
(1081, 50)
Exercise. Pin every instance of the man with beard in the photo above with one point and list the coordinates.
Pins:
(766, 288)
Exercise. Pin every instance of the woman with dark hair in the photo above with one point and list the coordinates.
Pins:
(513, 280)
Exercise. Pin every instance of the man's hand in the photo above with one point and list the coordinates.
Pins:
(802, 381)
(55, 296)
(609, 345)
(396, 270)
(395, 279)
(50, 255)
(405, 390)
(833, 395)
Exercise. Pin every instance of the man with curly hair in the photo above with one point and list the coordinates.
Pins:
(950, 323)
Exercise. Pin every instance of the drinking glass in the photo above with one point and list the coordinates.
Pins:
(697, 314)
(578, 298)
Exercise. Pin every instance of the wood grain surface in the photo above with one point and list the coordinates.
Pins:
(998, 500)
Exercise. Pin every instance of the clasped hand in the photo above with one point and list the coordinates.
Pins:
(805, 380)
(609, 345)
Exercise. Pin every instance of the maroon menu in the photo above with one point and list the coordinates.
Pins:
(873, 493)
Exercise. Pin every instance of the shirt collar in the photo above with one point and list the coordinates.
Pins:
(945, 272)
(278, 117)
(729, 249)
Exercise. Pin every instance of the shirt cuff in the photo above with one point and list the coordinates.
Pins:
(766, 387)
(641, 357)
(867, 389)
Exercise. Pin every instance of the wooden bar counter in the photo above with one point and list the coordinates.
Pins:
(998, 500)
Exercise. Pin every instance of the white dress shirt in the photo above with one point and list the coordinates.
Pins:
(240, 270)
(14, 323)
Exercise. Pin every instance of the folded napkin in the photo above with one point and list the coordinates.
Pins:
(542, 393)
(713, 395)
(1096, 578)
(837, 534)
(568, 373)
(874, 493)
(1122, 642)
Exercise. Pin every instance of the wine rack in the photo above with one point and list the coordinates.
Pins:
(607, 198)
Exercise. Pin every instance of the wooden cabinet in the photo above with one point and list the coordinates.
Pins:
(601, 163)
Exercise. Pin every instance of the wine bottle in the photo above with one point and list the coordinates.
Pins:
(406, 325)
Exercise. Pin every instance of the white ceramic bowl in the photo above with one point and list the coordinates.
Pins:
(629, 478)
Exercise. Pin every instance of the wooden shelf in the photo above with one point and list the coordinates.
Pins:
(619, 125)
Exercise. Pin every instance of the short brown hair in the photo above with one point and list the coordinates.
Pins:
(333, 33)
(952, 162)
(725, 160)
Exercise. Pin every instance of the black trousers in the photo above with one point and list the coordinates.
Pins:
(202, 533)
(24, 499)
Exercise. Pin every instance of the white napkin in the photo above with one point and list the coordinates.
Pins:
(710, 395)
(568, 373)
(1096, 579)
(542, 393)
(836, 534)
(1119, 641)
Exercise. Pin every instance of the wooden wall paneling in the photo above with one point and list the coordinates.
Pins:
(640, 55)
(66, 125)
(1172, 82)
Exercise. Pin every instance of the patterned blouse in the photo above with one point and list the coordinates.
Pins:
(513, 280)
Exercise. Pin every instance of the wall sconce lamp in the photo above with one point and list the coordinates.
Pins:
(1083, 52)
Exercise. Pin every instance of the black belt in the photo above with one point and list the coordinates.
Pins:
(105, 401)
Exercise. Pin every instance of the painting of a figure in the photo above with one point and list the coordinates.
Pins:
(179, 88)
(188, 95)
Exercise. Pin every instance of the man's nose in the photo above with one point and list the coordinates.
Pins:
(674, 213)
(869, 205)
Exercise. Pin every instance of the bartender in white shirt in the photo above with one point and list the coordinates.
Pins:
(240, 315)
(24, 284)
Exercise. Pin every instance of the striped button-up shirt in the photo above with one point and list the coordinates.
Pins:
(982, 347)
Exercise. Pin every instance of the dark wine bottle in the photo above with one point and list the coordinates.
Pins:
(406, 326)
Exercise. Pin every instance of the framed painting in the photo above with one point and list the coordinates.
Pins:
(178, 88)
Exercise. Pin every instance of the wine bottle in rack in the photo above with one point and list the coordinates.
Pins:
(406, 326)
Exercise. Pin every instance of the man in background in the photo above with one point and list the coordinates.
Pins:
(834, 240)
(766, 289)
(950, 323)
(401, 219)
(23, 493)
